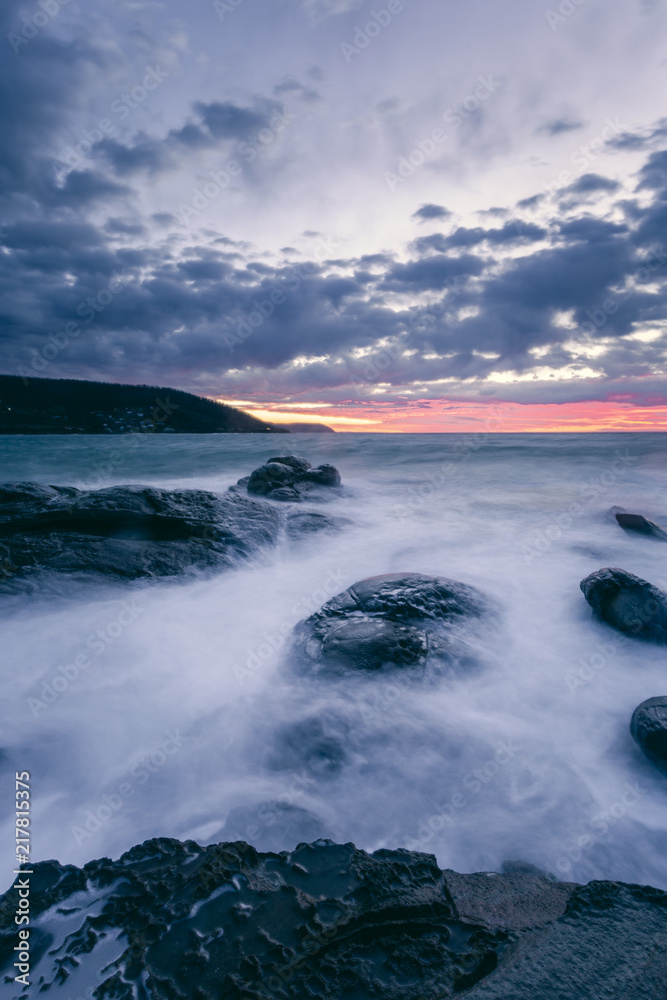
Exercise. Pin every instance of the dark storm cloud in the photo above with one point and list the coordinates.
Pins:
(590, 183)
(531, 202)
(560, 125)
(641, 139)
(653, 175)
(294, 87)
(216, 123)
(427, 212)
(198, 312)
(27, 235)
(124, 228)
(511, 232)
(514, 231)
(431, 273)
(591, 230)
(37, 86)
(652, 218)
(83, 187)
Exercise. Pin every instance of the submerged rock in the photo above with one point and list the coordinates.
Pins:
(303, 523)
(649, 728)
(525, 868)
(271, 825)
(641, 524)
(314, 744)
(171, 919)
(127, 532)
(394, 621)
(289, 478)
(627, 602)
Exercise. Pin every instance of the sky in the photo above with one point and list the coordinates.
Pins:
(408, 215)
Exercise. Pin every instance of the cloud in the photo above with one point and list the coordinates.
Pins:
(427, 212)
(590, 183)
(558, 126)
(319, 9)
(642, 138)
(290, 85)
(509, 306)
(453, 316)
(217, 123)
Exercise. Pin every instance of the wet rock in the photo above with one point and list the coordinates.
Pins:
(525, 868)
(127, 532)
(641, 524)
(315, 744)
(303, 523)
(330, 921)
(649, 728)
(289, 478)
(395, 621)
(627, 602)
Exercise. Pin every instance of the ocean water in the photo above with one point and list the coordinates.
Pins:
(189, 721)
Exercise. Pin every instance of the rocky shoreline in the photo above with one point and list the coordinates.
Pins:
(176, 920)
(143, 532)
(179, 921)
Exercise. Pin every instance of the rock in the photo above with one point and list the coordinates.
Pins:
(303, 523)
(627, 602)
(649, 728)
(289, 478)
(637, 522)
(313, 744)
(171, 919)
(128, 532)
(395, 621)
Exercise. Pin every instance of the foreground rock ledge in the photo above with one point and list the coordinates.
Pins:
(175, 920)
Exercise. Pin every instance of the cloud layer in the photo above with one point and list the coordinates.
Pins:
(228, 228)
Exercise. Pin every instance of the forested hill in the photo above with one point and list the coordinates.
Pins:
(73, 406)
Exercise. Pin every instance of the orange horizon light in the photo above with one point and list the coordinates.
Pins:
(448, 416)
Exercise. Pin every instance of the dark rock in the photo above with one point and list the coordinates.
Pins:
(176, 920)
(649, 728)
(127, 532)
(313, 744)
(516, 900)
(641, 524)
(289, 478)
(627, 602)
(302, 523)
(395, 621)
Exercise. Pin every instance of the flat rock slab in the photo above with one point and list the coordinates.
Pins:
(127, 532)
(177, 920)
(627, 602)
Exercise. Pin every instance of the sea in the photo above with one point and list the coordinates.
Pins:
(188, 720)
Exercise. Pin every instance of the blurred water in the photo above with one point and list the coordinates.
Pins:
(187, 721)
